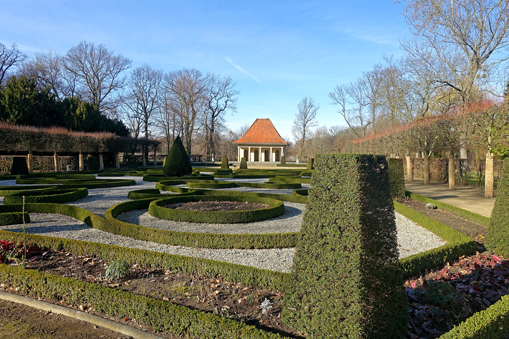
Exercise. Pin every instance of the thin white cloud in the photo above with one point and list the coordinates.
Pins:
(242, 70)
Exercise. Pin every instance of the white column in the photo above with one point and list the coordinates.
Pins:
(271, 155)
(262, 159)
(249, 154)
(282, 152)
(238, 153)
(259, 154)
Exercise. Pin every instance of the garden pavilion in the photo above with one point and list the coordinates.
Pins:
(261, 143)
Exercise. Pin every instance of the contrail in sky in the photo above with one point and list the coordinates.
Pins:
(240, 69)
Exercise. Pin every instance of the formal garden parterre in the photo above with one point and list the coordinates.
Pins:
(279, 291)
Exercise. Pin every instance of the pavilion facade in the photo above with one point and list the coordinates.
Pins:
(261, 143)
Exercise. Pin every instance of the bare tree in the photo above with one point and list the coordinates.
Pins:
(221, 98)
(352, 105)
(305, 118)
(9, 57)
(188, 89)
(460, 41)
(99, 72)
(48, 71)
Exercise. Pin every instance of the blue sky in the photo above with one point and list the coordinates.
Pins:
(277, 51)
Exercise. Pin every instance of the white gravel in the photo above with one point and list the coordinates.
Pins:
(412, 238)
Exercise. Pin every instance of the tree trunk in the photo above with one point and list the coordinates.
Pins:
(426, 170)
(55, 160)
(452, 176)
(101, 161)
(488, 177)
(30, 162)
(117, 160)
(409, 169)
(81, 162)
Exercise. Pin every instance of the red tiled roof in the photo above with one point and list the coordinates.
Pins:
(262, 131)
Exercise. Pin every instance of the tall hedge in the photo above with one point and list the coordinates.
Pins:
(497, 236)
(177, 163)
(224, 162)
(311, 162)
(345, 281)
(397, 177)
(283, 160)
(243, 163)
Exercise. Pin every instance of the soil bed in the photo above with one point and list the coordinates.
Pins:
(216, 206)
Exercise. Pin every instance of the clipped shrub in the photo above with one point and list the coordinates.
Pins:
(345, 280)
(92, 163)
(177, 163)
(497, 236)
(397, 177)
(243, 163)
(118, 269)
(311, 162)
(283, 160)
(19, 166)
(224, 163)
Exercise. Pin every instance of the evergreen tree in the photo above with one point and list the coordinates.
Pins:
(177, 163)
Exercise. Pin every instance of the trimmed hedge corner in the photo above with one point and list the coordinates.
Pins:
(397, 177)
(275, 209)
(497, 237)
(55, 195)
(345, 280)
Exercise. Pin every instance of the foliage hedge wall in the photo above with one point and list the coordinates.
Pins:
(497, 237)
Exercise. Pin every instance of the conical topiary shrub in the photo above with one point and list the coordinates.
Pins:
(283, 160)
(19, 166)
(177, 163)
(311, 162)
(497, 236)
(224, 163)
(243, 163)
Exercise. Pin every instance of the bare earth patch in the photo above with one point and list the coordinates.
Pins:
(216, 206)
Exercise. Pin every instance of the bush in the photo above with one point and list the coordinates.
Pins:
(19, 166)
(283, 160)
(311, 162)
(345, 280)
(497, 236)
(118, 269)
(397, 177)
(177, 163)
(92, 164)
(224, 163)
(243, 163)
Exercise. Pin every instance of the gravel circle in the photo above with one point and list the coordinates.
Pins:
(290, 221)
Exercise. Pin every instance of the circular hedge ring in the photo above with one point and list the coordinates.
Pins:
(211, 184)
(56, 195)
(275, 209)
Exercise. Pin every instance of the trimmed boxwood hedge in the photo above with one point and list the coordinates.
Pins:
(204, 240)
(9, 190)
(397, 177)
(497, 237)
(297, 180)
(211, 184)
(471, 216)
(345, 280)
(162, 315)
(458, 244)
(55, 195)
(13, 218)
(69, 183)
(275, 209)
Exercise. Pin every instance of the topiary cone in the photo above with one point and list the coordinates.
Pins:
(177, 162)
(497, 236)
(224, 162)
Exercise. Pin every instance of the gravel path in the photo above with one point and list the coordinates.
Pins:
(412, 238)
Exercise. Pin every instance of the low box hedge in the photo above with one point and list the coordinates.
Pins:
(9, 190)
(205, 240)
(70, 183)
(211, 184)
(471, 216)
(162, 315)
(13, 218)
(275, 209)
(55, 195)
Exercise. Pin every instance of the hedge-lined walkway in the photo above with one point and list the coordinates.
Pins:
(466, 197)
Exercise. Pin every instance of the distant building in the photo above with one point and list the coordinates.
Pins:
(261, 143)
